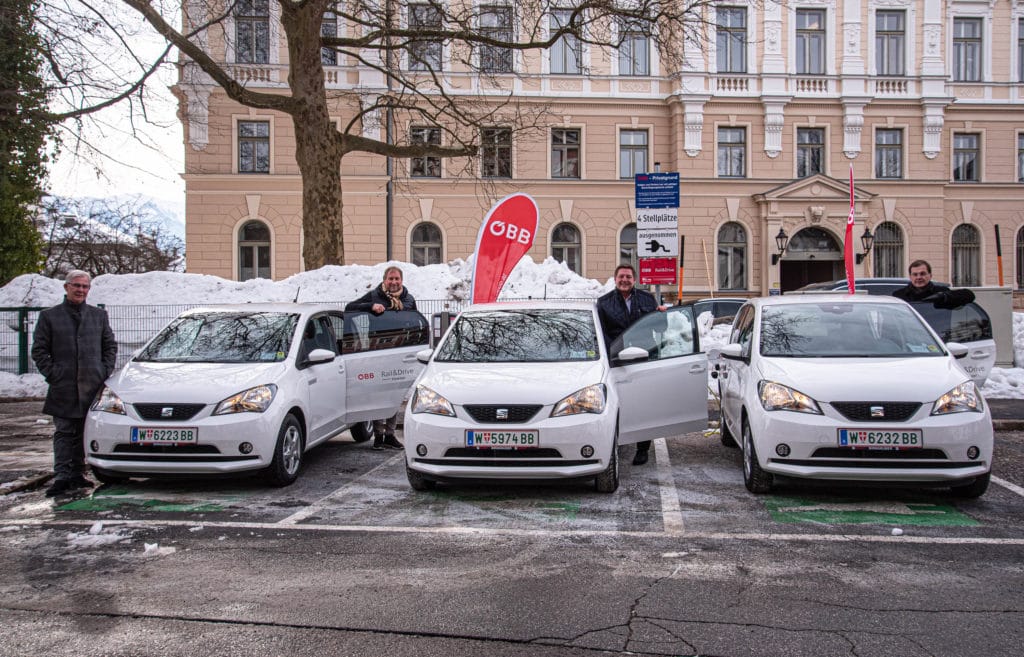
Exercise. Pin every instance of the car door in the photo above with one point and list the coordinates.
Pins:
(380, 361)
(666, 394)
(969, 325)
(325, 382)
(732, 373)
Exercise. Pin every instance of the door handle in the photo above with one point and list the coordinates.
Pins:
(697, 369)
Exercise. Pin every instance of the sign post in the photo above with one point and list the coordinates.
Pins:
(657, 228)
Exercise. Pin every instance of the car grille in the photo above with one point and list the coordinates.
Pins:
(488, 453)
(179, 412)
(888, 454)
(892, 411)
(130, 448)
(515, 414)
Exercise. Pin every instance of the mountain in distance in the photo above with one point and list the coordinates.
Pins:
(168, 213)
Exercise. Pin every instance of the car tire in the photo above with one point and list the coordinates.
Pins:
(108, 477)
(608, 481)
(284, 469)
(755, 479)
(362, 431)
(417, 481)
(725, 435)
(974, 489)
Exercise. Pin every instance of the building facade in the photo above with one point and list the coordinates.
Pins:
(924, 99)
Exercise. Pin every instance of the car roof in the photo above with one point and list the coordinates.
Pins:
(253, 308)
(533, 304)
(707, 299)
(779, 300)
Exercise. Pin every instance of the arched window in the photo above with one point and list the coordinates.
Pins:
(425, 248)
(732, 257)
(565, 246)
(627, 246)
(888, 250)
(966, 256)
(1020, 259)
(253, 251)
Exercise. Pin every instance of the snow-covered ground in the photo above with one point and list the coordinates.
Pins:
(450, 281)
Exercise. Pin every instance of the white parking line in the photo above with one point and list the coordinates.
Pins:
(320, 505)
(1009, 486)
(671, 514)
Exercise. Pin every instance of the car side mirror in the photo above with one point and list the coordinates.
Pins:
(320, 356)
(733, 351)
(632, 353)
(958, 350)
(423, 355)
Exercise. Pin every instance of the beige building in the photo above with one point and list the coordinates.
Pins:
(923, 98)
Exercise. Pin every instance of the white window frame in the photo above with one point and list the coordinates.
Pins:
(824, 148)
(747, 134)
(245, 118)
(909, 8)
(905, 130)
(274, 55)
(971, 9)
(830, 28)
(443, 50)
(649, 129)
(561, 44)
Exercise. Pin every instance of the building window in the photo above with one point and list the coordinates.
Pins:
(632, 152)
(254, 147)
(426, 245)
(732, 149)
(810, 151)
(424, 55)
(634, 50)
(731, 39)
(966, 256)
(732, 257)
(888, 153)
(627, 246)
(567, 52)
(496, 23)
(1020, 259)
(252, 31)
(890, 37)
(1020, 49)
(426, 166)
(966, 158)
(254, 251)
(496, 152)
(565, 246)
(329, 28)
(887, 251)
(565, 153)
(1020, 157)
(810, 41)
(966, 49)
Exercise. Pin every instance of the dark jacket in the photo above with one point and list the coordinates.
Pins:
(937, 293)
(615, 318)
(75, 355)
(376, 295)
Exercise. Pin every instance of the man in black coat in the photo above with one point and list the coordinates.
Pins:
(922, 288)
(617, 310)
(74, 349)
(389, 295)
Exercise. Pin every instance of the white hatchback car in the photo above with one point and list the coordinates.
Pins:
(850, 387)
(233, 389)
(527, 390)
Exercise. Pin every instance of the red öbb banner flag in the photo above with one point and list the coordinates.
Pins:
(848, 244)
(504, 238)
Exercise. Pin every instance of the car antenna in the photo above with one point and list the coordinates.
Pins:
(297, 290)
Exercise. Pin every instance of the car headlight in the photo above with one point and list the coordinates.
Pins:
(777, 397)
(428, 401)
(587, 400)
(961, 399)
(253, 400)
(109, 402)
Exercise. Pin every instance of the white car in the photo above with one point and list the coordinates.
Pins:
(528, 390)
(850, 387)
(233, 389)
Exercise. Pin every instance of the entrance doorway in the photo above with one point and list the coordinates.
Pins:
(813, 256)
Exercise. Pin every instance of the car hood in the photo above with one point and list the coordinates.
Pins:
(866, 379)
(190, 382)
(510, 383)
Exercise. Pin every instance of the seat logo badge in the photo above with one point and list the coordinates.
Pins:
(501, 414)
(878, 411)
(167, 411)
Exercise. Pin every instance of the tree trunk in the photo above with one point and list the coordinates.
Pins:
(317, 142)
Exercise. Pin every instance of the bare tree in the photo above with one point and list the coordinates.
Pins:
(397, 39)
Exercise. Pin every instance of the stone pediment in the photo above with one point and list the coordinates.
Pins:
(814, 189)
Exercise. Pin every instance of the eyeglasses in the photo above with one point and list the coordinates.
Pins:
(79, 286)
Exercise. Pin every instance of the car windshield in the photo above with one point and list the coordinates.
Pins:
(509, 336)
(845, 330)
(223, 337)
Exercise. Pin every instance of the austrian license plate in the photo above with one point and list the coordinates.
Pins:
(502, 439)
(881, 438)
(165, 435)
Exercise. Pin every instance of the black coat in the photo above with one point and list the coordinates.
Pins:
(615, 318)
(940, 295)
(74, 357)
(376, 295)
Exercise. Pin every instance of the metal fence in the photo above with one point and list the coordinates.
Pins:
(133, 326)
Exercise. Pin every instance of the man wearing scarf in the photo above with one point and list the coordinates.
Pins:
(389, 295)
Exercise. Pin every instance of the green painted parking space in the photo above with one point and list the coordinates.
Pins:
(116, 498)
(839, 511)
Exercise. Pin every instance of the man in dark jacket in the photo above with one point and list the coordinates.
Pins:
(74, 349)
(922, 288)
(617, 310)
(389, 295)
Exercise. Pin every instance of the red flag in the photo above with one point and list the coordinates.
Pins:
(848, 245)
(504, 238)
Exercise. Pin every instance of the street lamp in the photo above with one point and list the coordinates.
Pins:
(781, 242)
(867, 240)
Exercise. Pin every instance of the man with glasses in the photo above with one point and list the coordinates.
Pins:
(74, 349)
(922, 288)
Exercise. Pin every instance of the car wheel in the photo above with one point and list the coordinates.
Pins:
(284, 469)
(362, 432)
(608, 481)
(974, 489)
(108, 477)
(417, 481)
(726, 436)
(754, 478)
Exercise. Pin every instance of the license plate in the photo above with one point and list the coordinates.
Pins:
(502, 439)
(166, 435)
(881, 438)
